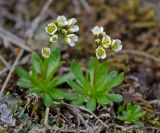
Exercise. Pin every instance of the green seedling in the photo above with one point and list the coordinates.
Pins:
(131, 114)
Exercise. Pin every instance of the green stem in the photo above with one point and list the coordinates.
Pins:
(49, 45)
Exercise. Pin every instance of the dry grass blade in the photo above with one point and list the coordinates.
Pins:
(137, 53)
(14, 39)
(11, 71)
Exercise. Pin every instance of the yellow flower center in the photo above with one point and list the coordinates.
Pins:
(50, 28)
(100, 52)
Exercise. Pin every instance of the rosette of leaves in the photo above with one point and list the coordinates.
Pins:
(93, 86)
(42, 79)
(131, 114)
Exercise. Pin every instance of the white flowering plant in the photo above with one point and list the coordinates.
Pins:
(93, 86)
(42, 79)
(90, 87)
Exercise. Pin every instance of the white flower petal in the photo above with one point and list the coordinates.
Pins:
(101, 29)
(72, 21)
(116, 45)
(73, 37)
(46, 52)
(100, 53)
(68, 40)
(61, 18)
(72, 44)
(106, 41)
(51, 28)
(97, 30)
(74, 28)
(62, 21)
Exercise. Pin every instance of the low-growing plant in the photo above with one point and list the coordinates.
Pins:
(42, 79)
(131, 114)
(93, 86)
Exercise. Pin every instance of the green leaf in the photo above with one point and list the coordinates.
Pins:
(36, 62)
(70, 96)
(79, 101)
(104, 85)
(120, 118)
(114, 97)
(115, 80)
(51, 84)
(25, 83)
(77, 70)
(22, 73)
(139, 123)
(36, 90)
(103, 100)
(47, 99)
(140, 114)
(65, 78)
(101, 74)
(129, 106)
(91, 104)
(75, 86)
(120, 109)
(53, 63)
(91, 69)
(56, 94)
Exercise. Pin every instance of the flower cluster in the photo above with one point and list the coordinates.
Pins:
(64, 28)
(104, 41)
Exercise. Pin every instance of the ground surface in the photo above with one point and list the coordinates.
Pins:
(135, 22)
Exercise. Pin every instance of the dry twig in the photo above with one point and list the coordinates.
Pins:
(137, 53)
(84, 109)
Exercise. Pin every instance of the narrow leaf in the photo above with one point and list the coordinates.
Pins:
(36, 62)
(103, 100)
(114, 97)
(22, 73)
(47, 100)
(91, 104)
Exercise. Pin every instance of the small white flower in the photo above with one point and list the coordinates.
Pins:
(54, 38)
(62, 21)
(71, 39)
(51, 28)
(72, 21)
(74, 28)
(116, 45)
(106, 41)
(100, 53)
(97, 30)
(46, 52)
